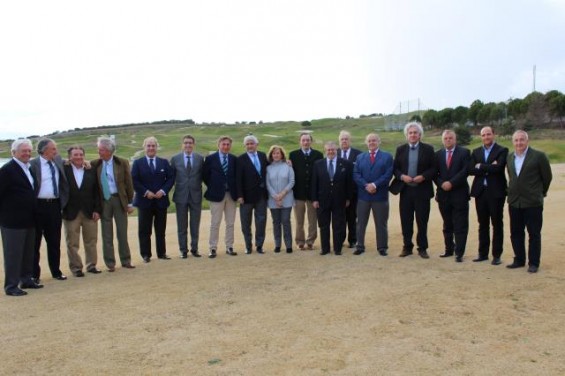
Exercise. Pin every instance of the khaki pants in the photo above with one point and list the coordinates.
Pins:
(301, 208)
(226, 206)
(89, 240)
(112, 209)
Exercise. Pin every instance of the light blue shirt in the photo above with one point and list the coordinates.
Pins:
(519, 161)
(109, 167)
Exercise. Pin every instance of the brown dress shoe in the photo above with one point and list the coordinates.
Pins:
(405, 252)
(128, 266)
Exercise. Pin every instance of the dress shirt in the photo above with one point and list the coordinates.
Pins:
(78, 172)
(109, 166)
(25, 167)
(46, 186)
(519, 161)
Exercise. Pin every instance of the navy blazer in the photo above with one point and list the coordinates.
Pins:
(251, 185)
(218, 183)
(456, 174)
(492, 172)
(144, 180)
(328, 192)
(378, 173)
(18, 203)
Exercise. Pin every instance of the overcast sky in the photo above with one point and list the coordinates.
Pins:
(67, 64)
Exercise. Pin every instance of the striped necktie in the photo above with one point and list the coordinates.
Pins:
(225, 164)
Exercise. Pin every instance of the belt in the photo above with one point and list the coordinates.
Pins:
(115, 195)
(48, 200)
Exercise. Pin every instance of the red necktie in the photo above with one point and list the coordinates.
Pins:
(372, 157)
(449, 155)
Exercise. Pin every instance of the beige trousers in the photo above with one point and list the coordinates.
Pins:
(89, 239)
(301, 208)
(225, 207)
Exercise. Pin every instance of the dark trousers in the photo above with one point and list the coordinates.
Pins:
(413, 205)
(18, 245)
(49, 222)
(282, 227)
(455, 225)
(147, 219)
(333, 215)
(532, 220)
(246, 216)
(183, 223)
(351, 222)
(490, 210)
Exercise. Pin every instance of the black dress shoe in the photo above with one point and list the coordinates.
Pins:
(128, 266)
(183, 255)
(61, 277)
(515, 265)
(496, 261)
(277, 250)
(147, 259)
(383, 253)
(248, 251)
(358, 252)
(231, 252)
(323, 253)
(424, 254)
(17, 292)
(289, 250)
(459, 259)
(351, 245)
(260, 250)
(78, 274)
(532, 269)
(446, 254)
(212, 253)
(31, 285)
(195, 253)
(94, 271)
(337, 253)
(480, 259)
(36, 280)
(163, 257)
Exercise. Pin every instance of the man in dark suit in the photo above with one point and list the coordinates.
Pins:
(302, 161)
(350, 154)
(81, 212)
(453, 194)
(152, 178)
(529, 174)
(187, 168)
(252, 193)
(18, 209)
(219, 175)
(372, 173)
(414, 170)
(116, 192)
(488, 163)
(332, 187)
(52, 196)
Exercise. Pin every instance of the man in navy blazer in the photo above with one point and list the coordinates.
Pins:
(414, 169)
(488, 164)
(453, 194)
(152, 178)
(252, 193)
(18, 210)
(350, 154)
(219, 175)
(372, 173)
(332, 187)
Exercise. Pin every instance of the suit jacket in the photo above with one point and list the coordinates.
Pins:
(426, 168)
(378, 173)
(353, 153)
(328, 192)
(122, 174)
(85, 198)
(35, 166)
(18, 198)
(144, 180)
(217, 183)
(303, 167)
(456, 174)
(492, 172)
(188, 183)
(251, 185)
(528, 189)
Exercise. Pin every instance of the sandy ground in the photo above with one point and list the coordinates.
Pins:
(279, 314)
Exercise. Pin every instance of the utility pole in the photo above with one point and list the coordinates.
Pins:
(534, 77)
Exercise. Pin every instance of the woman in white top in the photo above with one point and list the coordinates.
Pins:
(280, 180)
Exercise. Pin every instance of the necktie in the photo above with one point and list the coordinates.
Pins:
(151, 165)
(331, 169)
(449, 155)
(104, 182)
(225, 164)
(256, 163)
(188, 163)
(344, 156)
(53, 179)
(372, 157)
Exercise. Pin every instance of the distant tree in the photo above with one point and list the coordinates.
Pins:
(460, 114)
(445, 118)
(430, 118)
(537, 114)
(484, 114)
(463, 134)
(416, 117)
(474, 110)
(506, 128)
(517, 108)
(555, 101)
(306, 123)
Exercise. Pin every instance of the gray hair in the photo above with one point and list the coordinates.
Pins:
(521, 131)
(250, 138)
(107, 143)
(19, 142)
(42, 145)
(344, 133)
(330, 144)
(413, 124)
(149, 139)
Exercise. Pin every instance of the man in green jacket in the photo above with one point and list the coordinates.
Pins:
(529, 175)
